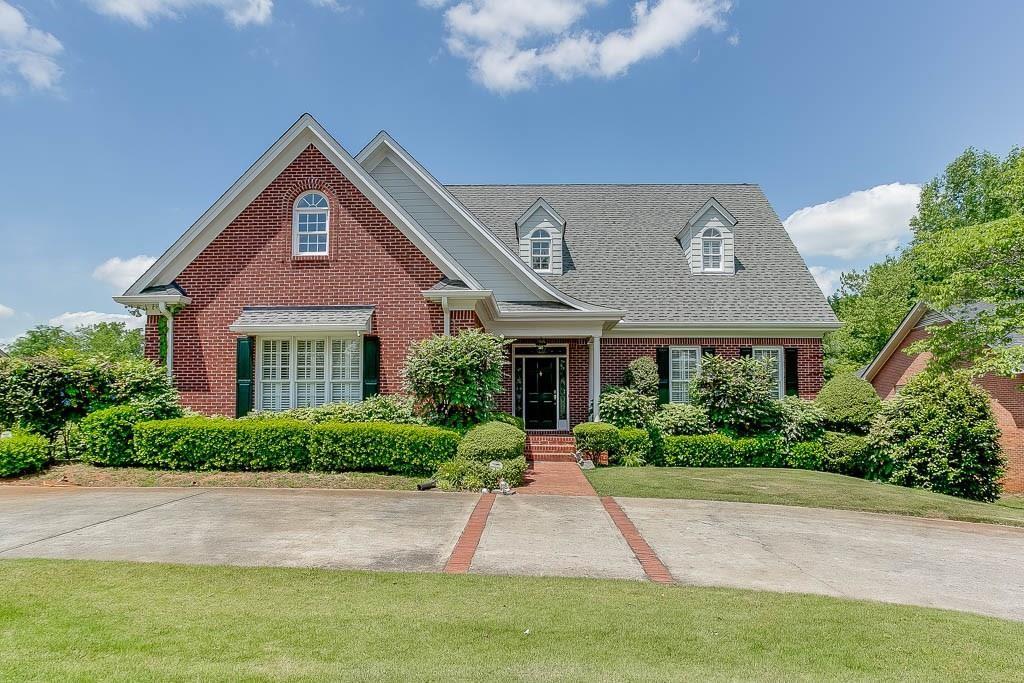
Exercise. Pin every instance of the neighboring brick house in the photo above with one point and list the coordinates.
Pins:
(891, 369)
(307, 281)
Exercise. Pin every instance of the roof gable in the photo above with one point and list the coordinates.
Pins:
(540, 205)
(303, 133)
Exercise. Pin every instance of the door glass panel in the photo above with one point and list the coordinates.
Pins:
(563, 389)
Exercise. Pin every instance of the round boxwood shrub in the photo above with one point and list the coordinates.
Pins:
(492, 441)
(848, 404)
(938, 433)
(106, 437)
(642, 374)
(635, 446)
(596, 437)
(846, 454)
(681, 419)
(627, 407)
(22, 452)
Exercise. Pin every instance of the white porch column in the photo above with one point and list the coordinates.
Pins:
(595, 376)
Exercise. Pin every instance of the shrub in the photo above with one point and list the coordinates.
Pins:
(106, 437)
(642, 375)
(759, 451)
(800, 420)
(514, 420)
(393, 408)
(22, 453)
(596, 437)
(806, 455)
(635, 447)
(737, 394)
(703, 450)
(939, 434)
(847, 454)
(492, 441)
(848, 404)
(626, 407)
(456, 378)
(412, 450)
(681, 419)
(461, 474)
(203, 443)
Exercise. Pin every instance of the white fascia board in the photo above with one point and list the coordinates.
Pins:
(383, 145)
(541, 204)
(150, 303)
(727, 329)
(283, 152)
(708, 205)
(909, 322)
(270, 330)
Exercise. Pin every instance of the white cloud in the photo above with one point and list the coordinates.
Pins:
(122, 273)
(861, 225)
(142, 13)
(827, 278)
(512, 44)
(6, 311)
(335, 5)
(27, 52)
(733, 40)
(71, 321)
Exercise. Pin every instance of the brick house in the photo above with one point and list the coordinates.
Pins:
(891, 369)
(307, 281)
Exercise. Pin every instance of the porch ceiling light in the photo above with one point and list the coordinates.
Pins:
(541, 344)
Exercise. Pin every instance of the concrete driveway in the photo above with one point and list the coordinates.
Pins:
(972, 567)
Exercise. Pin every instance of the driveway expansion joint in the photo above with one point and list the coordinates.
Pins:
(465, 549)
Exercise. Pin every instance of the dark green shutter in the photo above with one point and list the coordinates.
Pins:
(371, 366)
(243, 376)
(662, 357)
(746, 351)
(792, 373)
(707, 350)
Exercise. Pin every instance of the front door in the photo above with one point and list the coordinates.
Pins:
(541, 397)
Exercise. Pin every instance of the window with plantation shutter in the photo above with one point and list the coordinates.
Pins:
(346, 379)
(684, 364)
(773, 354)
(308, 372)
(276, 374)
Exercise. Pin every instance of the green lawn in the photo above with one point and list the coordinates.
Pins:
(114, 621)
(797, 487)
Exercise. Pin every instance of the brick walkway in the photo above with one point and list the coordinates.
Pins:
(556, 479)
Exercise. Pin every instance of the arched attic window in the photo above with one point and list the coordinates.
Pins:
(540, 250)
(711, 249)
(311, 224)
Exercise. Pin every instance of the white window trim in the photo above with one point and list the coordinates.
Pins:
(523, 351)
(781, 365)
(293, 380)
(550, 242)
(672, 384)
(719, 239)
(296, 211)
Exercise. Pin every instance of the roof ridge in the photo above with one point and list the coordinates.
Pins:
(602, 184)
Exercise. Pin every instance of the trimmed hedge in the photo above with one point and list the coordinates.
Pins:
(635, 447)
(701, 450)
(204, 443)
(106, 437)
(847, 454)
(806, 455)
(23, 453)
(492, 441)
(462, 474)
(514, 420)
(411, 450)
(596, 437)
(680, 419)
(720, 450)
(627, 407)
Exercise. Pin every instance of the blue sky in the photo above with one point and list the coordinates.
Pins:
(123, 120)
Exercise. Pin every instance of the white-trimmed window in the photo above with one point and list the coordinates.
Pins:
(540, 250)
(711, 249)
(311, 224)
(300, 372)
(777, 357)
(684, 364)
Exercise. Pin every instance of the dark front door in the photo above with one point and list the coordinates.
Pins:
(541, 378)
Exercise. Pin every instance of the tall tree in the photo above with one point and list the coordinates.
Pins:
(112, 340)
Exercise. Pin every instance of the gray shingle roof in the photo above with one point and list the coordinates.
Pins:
(298, 317)
(447, 285)
(968, 312)
(532, 306)
(620, 251)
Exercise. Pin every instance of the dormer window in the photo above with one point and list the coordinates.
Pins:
(540, 250)
(711, 249)
(310, 224)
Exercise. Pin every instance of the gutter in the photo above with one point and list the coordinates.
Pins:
(166, 313)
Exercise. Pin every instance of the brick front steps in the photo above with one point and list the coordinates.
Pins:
(550, 447)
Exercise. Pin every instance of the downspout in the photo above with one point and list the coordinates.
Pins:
(447, 316)
(166, 313)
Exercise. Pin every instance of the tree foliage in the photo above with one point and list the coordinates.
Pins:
(112, 340)
(738, 394)
(642, 374)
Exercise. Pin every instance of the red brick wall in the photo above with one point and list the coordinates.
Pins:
(464, 320)
(1006, 394)
(618, 352)
(251, 264)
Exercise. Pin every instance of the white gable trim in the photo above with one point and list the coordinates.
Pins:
(909, 322)
(304, 132)
(540, 204)
(710, 204)
(384, 146)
